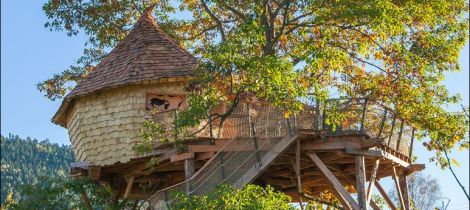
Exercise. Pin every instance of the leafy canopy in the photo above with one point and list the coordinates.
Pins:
(396, 52)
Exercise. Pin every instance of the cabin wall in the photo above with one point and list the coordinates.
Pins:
(104, 127)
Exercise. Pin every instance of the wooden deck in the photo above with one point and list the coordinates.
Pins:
(301, 156)
(336, 152)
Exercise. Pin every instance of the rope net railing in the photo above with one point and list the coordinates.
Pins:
(359, 116)
(256, 130)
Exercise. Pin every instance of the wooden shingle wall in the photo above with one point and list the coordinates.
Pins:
(103, 127)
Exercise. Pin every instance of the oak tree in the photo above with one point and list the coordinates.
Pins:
(396, 52)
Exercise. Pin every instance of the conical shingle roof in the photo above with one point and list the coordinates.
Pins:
(145, 54)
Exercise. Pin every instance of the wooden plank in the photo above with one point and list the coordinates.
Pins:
(385, 195)
(130, 182)
(204, 155)
(204, 148)
(404, 190)
(348, 199)
(365, 152)
(361, 182)
(399, 190)
(182, 156)
(373, 176)
(319, 146)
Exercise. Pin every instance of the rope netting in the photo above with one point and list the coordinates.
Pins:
(256, 128)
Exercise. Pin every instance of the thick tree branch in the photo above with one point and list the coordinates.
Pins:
(284, 22)
(215, 19)
(232, 9)
(200, 33)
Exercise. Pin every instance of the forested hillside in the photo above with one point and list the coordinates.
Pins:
(24, 160)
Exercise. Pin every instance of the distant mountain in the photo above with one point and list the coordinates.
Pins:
(24, 160)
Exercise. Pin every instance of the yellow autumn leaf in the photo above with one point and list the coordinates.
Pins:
(455, 162)
(286, 114)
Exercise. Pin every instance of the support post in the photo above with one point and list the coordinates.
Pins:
(372, 178)
(411, 144)
(211, 135)
(346, 199)
(399, 135)
(404, 190)
(382, 124)
(297, 165)
(175, 130)
(188, 173)
(361, 182)
(130, 182)
(222, 168)
(385, 196)
(253, 136)
(363, 115)
(399, 190)
(317, 116)
(391, 131)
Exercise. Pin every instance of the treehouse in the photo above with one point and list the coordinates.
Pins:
(301, 155)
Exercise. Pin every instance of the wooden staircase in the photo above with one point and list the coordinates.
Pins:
(240, 161)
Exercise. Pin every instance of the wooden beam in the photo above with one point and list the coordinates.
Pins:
(404, 190)
(94, 172)
(385, 195)
(365, 152)
(334, 145)
(373, 176)
(345, 198)
(373, 205)
(182, 156)
(361, 182)
(399, 190)
(204, 155)
(267, 159)
(130, 182)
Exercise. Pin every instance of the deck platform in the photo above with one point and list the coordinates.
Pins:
(299, 156)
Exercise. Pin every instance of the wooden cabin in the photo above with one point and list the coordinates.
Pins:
(300, 155)
(105, 111)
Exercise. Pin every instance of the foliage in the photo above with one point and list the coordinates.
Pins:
(396, 52)
(66, 193)
(227, 197)
(24, 160)
(424, 191)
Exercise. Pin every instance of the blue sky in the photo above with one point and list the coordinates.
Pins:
(30, 53)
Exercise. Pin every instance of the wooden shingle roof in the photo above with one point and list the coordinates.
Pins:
(145, 54)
